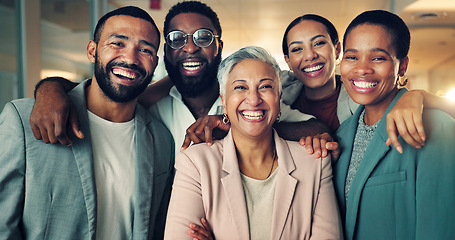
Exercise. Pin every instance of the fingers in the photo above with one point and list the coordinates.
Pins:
(74, 123)
(205, 224)
(393, 135)
(186, 143)
(208, 135)
(36, 131)
(308, 143)
(410, 129)
(198, 232)
(335, 150)
(317, 147)
(320, 145)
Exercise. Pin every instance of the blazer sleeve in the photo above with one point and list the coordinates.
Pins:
(435, 181)
(12, 173)
(186, 205)
(326, 217)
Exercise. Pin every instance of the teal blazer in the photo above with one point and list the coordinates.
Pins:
(48, 191)
(399, 196)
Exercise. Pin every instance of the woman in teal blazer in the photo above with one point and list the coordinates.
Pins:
(384, 194)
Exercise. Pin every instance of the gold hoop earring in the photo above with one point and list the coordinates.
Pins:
(278, 118)
(404, 82)
(225, 119)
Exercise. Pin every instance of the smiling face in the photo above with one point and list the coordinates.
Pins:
(125, 57)
(312, 56)
(193, 69)
(252, 98)
(369, 68)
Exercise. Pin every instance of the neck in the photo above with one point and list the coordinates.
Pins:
(322, 92)
(374, 112)
(99, 104)
(256, 156)
(200, 106)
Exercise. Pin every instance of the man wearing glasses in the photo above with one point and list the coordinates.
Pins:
(192, 54)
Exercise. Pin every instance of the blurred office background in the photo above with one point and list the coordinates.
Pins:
(41, 38)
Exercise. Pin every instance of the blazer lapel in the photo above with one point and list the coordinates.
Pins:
(233, 188)
(340, 169)
(82, 150)
(285, 188)
(375, 151)
(144, 174)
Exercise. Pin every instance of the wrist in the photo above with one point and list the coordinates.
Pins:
(46, 84)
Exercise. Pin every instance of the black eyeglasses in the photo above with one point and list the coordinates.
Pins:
(201, 38)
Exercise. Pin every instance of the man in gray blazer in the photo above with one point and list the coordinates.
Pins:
(114, 183)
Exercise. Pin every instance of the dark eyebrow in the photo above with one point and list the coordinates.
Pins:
(371, 50)
(381, 50)
(123, 37)
(312, 39)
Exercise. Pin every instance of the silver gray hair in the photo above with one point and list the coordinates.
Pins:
(251, 52)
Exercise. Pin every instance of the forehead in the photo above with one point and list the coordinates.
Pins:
(132, 27)
(370, 36)
(190, 22)
(308, 28)
(252, 69)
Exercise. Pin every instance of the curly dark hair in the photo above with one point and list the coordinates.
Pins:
(192, 7)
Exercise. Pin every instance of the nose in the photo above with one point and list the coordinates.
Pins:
(253, 98)
(190, 47)
(363, 67)
(131, 55)
(310, 54)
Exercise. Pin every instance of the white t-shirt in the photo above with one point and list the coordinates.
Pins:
(176, 115)
(259, 197)
(113, 159)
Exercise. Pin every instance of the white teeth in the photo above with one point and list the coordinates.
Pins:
(253, 115)
(191, 66)
(312, 69)
(123, 73)
(363, 84)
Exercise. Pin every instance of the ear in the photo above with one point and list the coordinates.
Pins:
(403, 66)
(221, 45)
(91, 51)
(338, 51)
(288, 62)
(224, 104)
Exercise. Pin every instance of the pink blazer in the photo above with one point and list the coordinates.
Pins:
(208, 184)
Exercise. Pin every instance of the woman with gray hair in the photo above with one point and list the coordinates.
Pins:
(252, 184)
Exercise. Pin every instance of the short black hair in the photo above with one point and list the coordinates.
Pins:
(192, 7)
(331, 30)
(128, 11)
(391, 22)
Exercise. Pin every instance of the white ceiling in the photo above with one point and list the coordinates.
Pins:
(262, 23)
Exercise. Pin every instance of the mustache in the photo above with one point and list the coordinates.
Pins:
(133, 67)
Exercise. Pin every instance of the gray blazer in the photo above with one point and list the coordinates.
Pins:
(47, 191)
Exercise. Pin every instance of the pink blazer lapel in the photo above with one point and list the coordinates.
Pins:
(285, 188)
(233, 188)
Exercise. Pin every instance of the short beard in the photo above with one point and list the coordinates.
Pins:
(194, 86)
(123, 93)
